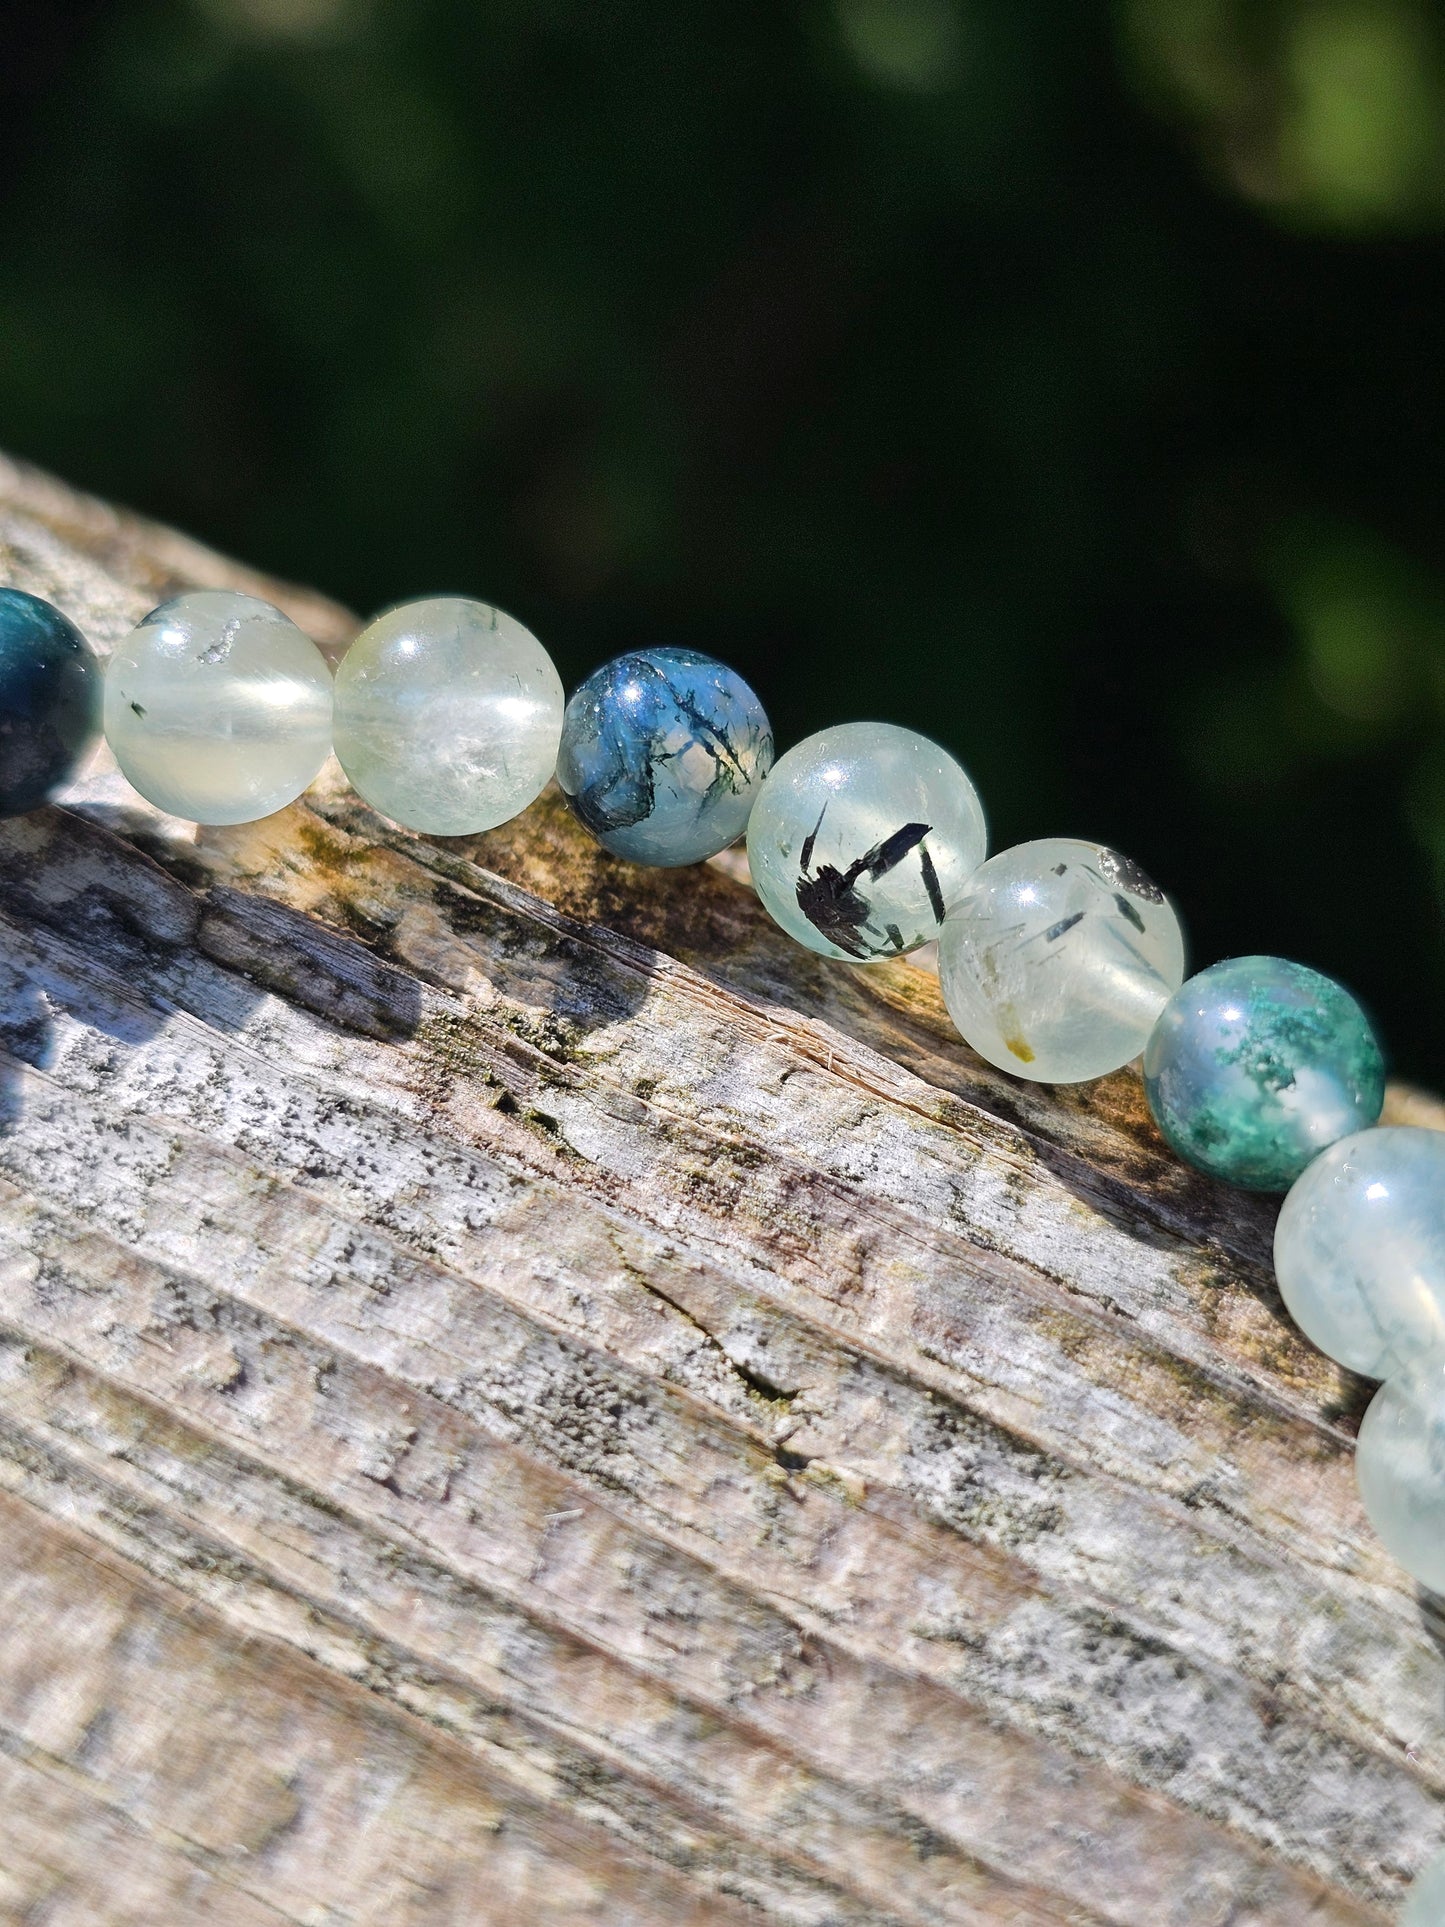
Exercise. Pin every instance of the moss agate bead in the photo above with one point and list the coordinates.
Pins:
(862, 837)
(218, 708)
(1057, 960)
(50, 700)
(1400, 1466)
(448, 716)
(1359, 1249)
(1257, 1065)
(662, 754)
(1425, 1906)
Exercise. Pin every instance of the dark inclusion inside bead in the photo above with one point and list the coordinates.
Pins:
(662, 752)
(831, 901)
(50, 700)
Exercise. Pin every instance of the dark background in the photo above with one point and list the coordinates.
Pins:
(1065, 381)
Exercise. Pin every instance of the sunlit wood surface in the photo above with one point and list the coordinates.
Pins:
(526, 1398)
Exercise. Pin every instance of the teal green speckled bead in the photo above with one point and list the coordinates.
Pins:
(50, 699)
(1257, 1065)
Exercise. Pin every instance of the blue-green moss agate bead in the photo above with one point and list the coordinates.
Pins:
(1257, 1065)
(50, 700)
(1400, 1467)
(662, 754)
(1426, 1904)
(1359, 1250)
(862, 839)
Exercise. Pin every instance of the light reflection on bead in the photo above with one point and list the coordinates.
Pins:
(861, 838)
(448, 715)
(663, 753)
(1359, 1249)
(1057, 960)
(1400, 1465)
(218, 708)
(1257, 1065)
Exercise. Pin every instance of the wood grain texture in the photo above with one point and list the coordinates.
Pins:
(524, 1397)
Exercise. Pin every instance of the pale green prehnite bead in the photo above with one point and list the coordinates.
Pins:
(1400, 1465)
(1426, 1904)
(448, 716)
(218, 708)
(860, 839)
(1057, 960)
(1359, 1249)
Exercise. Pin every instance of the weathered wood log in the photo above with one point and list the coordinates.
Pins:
(524, 1397)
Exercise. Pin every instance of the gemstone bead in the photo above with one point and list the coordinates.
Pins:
(862, 837)
(1257, 1065)
(1359, 1249)
(1058, 958)
(50, 700)
(218, 708)
(1400, 1465)
(448, 715)
(1425, 1906)
(662, 754)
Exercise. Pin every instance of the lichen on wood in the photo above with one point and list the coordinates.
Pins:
(524, 1397)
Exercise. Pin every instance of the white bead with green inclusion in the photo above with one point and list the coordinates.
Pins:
(1057, 960)
(218, 708)
(860, 838)
(448, 716)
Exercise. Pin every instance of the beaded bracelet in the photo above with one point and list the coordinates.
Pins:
(1059, 960)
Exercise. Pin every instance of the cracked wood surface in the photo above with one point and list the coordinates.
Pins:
(524, 1397)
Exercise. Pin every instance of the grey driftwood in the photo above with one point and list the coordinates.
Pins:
(526, 1398)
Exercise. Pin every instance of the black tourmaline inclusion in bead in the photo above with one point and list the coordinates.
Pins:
(50, 700)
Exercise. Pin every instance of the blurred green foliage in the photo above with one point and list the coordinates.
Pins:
(1329, 113)
(1062, 380)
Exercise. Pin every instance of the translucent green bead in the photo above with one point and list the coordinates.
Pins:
(1057, 960)
(1359, 1249)
(861, 837)
(448, 716)
(1400, 1465)
(1257, 1065)
(218, 708)
(1426, 1904)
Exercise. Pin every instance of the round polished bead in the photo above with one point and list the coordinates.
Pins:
(1359, 1249)
(1257, 1065)
(662, 754)
(50, 700)
(218, 708)
(448, 716)
(1058, 958)
(1400, 1465)
(862, 837)
(1425, 1906)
